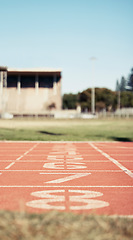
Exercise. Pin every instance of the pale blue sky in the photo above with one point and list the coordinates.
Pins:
(66, 34)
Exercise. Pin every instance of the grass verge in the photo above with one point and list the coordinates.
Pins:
(66, 226)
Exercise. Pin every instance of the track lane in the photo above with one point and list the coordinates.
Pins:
(49, 162)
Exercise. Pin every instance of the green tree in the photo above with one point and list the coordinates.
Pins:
(123, 84)
(130, 81)
(70, 101)
(104, 99)
(107, 97)
(85, 100)
(126, 99)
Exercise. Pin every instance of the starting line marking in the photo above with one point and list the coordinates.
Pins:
(127, 171)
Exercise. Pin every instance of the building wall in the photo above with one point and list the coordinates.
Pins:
(37, 99)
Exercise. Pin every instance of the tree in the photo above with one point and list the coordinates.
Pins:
(104, 99)
(123, 84)
(85, 100)
(126, 99)
(70, 101)
(130, 81)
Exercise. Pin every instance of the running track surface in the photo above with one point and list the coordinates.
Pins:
(83, 177)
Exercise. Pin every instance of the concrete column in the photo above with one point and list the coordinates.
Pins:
(1, 82)
(5, 79)
(3, 91)
(54, 85)
(19, 84)
(36, 84)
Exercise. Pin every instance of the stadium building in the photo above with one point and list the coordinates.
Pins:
(30, 91)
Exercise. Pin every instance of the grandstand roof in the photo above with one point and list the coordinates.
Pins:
(35, 71)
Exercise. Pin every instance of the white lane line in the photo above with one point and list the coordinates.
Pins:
(42, 186)
(59, 171)
(36, 161)
(67, 156)
(27, 152)
(68, 173)
(81, 171)
(124, 169)
(85, 160)
(11, 164)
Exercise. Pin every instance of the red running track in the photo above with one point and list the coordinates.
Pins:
(83, 177)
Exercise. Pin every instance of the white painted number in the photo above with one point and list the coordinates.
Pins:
(78, 200)
(48, 198)
(69, 178)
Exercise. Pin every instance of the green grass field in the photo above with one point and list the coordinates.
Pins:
(67, 130)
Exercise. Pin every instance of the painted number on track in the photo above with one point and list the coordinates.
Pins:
(76, 200)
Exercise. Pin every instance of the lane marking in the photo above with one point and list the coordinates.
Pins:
(85, 160)
(65, 179)
(27, 152)
(80, 197)
(49, 198)
(42, 186)
(69, 165)
(124, 169)
(10, 165)
(59, 171)
(68, 160)
(85, 198)
(67, 156)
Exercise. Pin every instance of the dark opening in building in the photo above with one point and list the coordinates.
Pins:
(45, 82)
(12, 81)
(27, 81)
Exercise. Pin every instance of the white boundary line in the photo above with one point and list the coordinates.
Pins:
(42, 161)
(11, 164)
(61, 186)
(59, 171)
(37, 161)
(124, 169)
